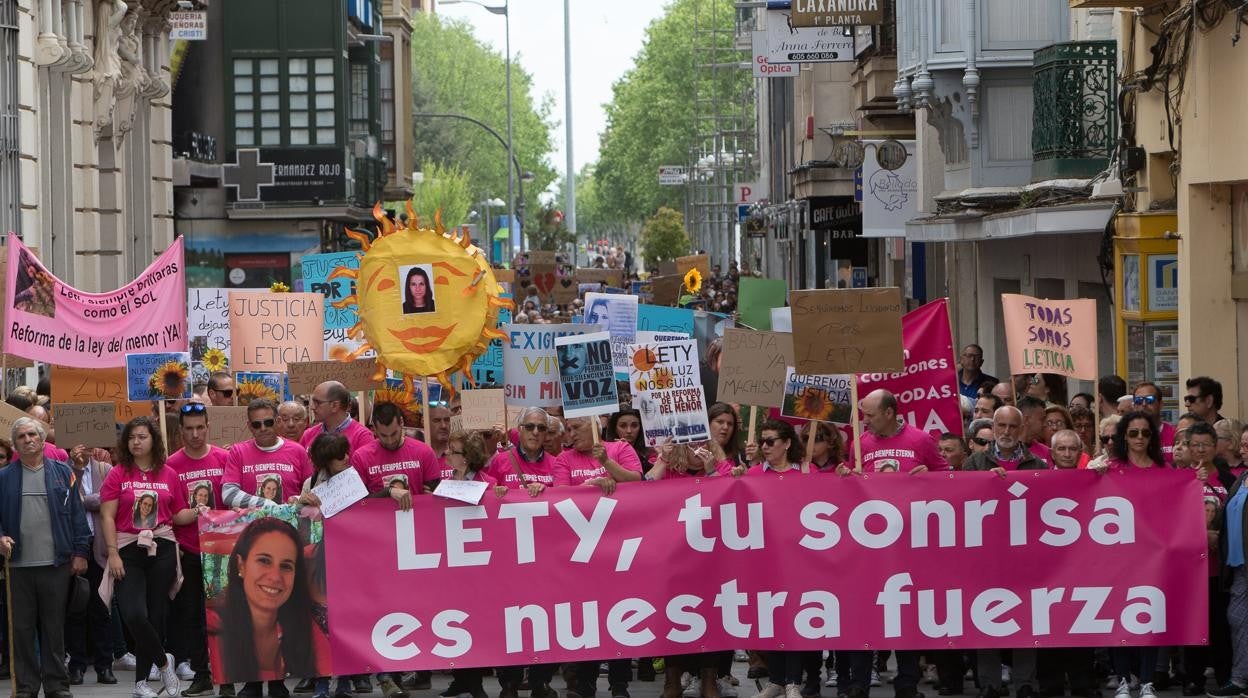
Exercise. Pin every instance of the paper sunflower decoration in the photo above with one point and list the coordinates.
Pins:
(215, 360)
(249, 390)
(279, 287)
(693, 281)
(169, 380)
(428, 300)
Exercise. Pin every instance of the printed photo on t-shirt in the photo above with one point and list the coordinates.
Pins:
(887, 465)
(270, 488)
(202, 494)
(399, 481)
(144, 513)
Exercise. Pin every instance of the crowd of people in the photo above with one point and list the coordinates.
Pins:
(125, 520)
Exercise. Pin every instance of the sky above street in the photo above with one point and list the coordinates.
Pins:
(606, 36)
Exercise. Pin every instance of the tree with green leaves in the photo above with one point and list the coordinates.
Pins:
(446, 190)
(548, 231)
(663, 238)
(454, 72)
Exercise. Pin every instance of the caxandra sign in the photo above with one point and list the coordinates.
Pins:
(836, 13)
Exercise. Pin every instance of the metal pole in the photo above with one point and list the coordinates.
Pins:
(511, 155)
(570, 206)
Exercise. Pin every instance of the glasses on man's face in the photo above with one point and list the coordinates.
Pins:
(1189, 399)
(1139, 433)
(976, 357)
(262, 423)
(980, 441)
(1144, 399)
(541, 428)
(1201, 445)
(227, 393)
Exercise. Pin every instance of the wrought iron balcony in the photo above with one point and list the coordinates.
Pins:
(1074, 119)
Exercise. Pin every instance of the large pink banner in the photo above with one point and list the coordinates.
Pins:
(936, 560)
(51, 321)
(927, 388)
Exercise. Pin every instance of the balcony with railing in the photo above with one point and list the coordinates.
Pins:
(1075, 117)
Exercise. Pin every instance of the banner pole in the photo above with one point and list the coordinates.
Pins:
(812, 428)
(753, 423)
(856, 420)
(425, 419)
(8, 593)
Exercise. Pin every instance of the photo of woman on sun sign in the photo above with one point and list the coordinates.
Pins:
(145, 510)
(417, 288)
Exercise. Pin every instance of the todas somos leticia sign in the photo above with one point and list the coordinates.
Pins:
(49, 320)
(1050, 336)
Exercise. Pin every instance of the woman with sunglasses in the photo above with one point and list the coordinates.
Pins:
(980, 431)
(526, 465)
(829, 450)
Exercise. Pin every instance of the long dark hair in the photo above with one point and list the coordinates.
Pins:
(784, 430)
(639, 442)
(731, 450)
(126, 459)
(295, 616)
(407, 288)
(1119, 450)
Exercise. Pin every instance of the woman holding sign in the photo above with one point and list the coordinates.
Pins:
(829, 449)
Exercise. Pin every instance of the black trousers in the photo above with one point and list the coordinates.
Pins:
(619, 672)
(88, 635)
(1217, 653)
(539, 675)
(186, 631)
(1054, 666)
(785, 666)
(950, 668)
(143, 597)
(39, 598)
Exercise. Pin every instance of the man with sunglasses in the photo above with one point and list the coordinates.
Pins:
(221, 389)
(1204, 397)
(331, 404)
(526, 465)
(1147, 397)
(200, 466)
(980, 432)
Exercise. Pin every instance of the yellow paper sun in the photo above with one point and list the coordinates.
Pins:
(169, 380)
(813, 404)
(441, 338)
(215, 360)
(254, 390)
(693, 281)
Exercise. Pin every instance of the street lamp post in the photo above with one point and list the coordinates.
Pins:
(511, 182)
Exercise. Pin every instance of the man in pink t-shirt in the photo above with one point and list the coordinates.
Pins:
(599, 464)
(395, 465)
(526, 465)
(890, 445)
(331, 403)
(265, 470)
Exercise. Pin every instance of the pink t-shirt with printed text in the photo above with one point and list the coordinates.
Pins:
(413, 463)
(358, 435)
(503, 471)
(575, 468)
(127, 486)
(250, 467)
(905, 450)
(196, 474)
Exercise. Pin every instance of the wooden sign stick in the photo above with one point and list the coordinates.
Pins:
(855, 419)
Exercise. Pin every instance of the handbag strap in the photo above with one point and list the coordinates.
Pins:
(515, 463)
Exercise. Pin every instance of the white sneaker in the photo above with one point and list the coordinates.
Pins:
(726, 689)
(1146, 690)
(694, 689)
(1005, 675)
(774, 690)
(142, 690)
(169, 677)
(740, 656)
(831, 682)
(1123, 690)
(185, 672)
(875, 678)
(126, 662)
(154, 674)
(792, 691)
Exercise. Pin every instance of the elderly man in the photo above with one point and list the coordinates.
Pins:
(1004, 392)
(221, 389)
(292, 420)
(969, 375)
(44, 534)
(331, 403)
(1066, 449)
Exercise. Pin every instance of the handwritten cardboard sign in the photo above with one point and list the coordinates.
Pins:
(610, 277)
(847, 330)
(752, 367)
(227, 426)
(78, 385)
(1050, 336)
(91, 424)
(505, 276)
(8, 415)
(482, 409)
(268, 330)
(665, 290)
(542, 258)
(340, 491)
(565, 290)
(700, 262)
(355, 375)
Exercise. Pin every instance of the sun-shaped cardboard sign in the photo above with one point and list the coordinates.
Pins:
(428, 300)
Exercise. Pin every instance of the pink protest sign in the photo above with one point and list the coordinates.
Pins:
(1050, 336)
(799, 562)
(49, 320)
(927, 388)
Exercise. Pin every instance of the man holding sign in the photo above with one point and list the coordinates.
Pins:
(395, 465)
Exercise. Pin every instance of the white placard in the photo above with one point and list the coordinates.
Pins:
(787, 44)
(466, 491)
(782, 319)
(764, 68)
(340, 491)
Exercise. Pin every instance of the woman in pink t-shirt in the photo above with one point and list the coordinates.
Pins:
(140, 501)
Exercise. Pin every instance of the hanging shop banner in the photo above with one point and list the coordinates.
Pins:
(49, 320)
(889, 197)
(1060, 559)
(1050, 336)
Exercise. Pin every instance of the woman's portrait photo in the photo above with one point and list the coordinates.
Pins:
(599, 313)
(417, 288)
(201, 494)
(262, 626)
(34, 290)
(391, 481)
(270, 488)
(145, 510)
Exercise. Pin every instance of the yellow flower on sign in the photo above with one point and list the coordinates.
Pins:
(279, 287)
(693, 281)
(169, 380)
(254, 390)
(215, 360)
(813, 403)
